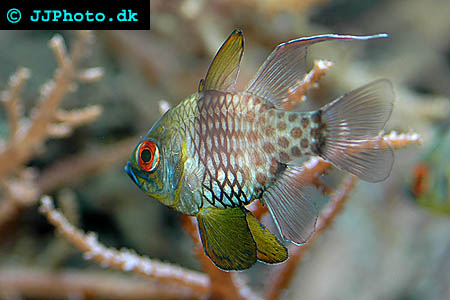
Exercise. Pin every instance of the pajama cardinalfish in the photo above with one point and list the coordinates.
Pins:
(220, 149)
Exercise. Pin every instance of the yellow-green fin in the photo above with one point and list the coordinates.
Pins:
(269, 248)
(201, 85)
(224, 69)
(226, 238)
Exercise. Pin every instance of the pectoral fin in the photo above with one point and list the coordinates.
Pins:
(269, 248)
(226, 238)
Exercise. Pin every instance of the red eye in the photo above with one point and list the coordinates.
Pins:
(420, 180)
(148, 156)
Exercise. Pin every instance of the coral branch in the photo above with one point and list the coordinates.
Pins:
(258, 209)
(79, 166)
(91, 75)
(80, 116)
(11, 100)
(401, 140)
(15, 154)
(393, 139)
(26, 136)
(19, 193)
(40, 284)
(68, 120)
(310, 81)
(61, 173)
(59, 48)
(124, 260)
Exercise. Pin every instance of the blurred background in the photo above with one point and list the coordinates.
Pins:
(392, 240)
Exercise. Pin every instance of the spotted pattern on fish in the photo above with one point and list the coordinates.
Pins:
(242, 143)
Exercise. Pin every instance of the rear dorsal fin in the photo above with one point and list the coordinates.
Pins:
(224, 69)
(226, 237)
(285, 68)
(290, 203)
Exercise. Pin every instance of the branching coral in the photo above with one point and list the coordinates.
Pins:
(76, 167)
(43, 117)
(47, 120)
(309, 81)
(125, 260)
(72, 284)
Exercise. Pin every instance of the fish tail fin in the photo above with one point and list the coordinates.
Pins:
(349, 129)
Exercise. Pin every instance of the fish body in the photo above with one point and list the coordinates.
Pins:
(236, 145)
(220, 149)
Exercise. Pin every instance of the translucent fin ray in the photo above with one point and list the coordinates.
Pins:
(291, 206)
(224, 69)
(286, 67)
(226, 238)
(353, 123)
(269, 248)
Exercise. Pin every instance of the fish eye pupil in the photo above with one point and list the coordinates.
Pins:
(146, 155)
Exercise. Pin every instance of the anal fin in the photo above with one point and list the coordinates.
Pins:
(290, 203)
(226, 238)
(269, 248)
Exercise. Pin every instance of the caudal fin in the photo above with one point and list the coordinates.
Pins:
(352, 124)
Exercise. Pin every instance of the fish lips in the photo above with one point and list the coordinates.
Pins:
(129, 169)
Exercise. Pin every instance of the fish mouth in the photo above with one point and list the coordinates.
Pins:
(130, 173)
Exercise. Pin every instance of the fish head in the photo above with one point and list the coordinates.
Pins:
(156, 164)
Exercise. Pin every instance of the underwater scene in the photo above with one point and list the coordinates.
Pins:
(236, 150)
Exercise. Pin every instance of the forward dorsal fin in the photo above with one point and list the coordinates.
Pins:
(285, 67)
(224, 69)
